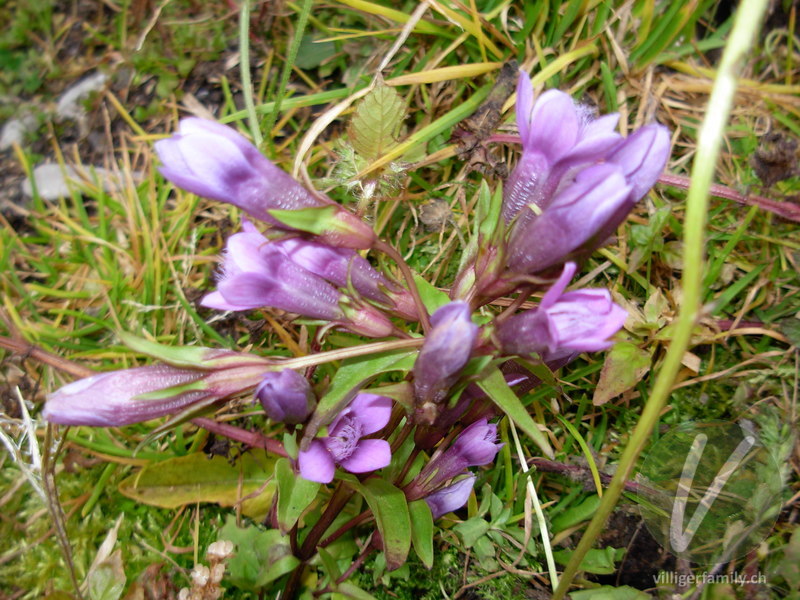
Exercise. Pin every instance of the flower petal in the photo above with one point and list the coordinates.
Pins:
(372, 411)
(316, 463)
(369, 455)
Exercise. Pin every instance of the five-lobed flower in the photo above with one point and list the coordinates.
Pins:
(344, 446)
(563, 323)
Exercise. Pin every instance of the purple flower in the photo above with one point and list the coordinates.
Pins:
(576, 181)
(446, 350)
(286, 396)
(366, 414)
(557, 135)
(574, 217)
(257, 274)
(212, 160)
(133, 395)
(344, 268)
(477, 445)
(564, 323)
(450, 498)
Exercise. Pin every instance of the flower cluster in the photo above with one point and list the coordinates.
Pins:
(575, 182)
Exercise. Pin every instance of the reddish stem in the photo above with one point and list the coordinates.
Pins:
(251, 438)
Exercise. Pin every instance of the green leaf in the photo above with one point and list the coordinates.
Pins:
(576, 514)
(295, 494)
(261, 555)
(316, 219)
(376, 123)
(496, 387)
(351, 590)
(390, 508)
(432, 297)
(107, 580)
(472, 530)
(624, 367)
(599, 561)
(350, 378)
(196, 478)
(608, 592)
(191, 357)
(422, 531)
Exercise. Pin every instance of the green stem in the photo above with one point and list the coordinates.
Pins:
(319, 358)
(291, 55)
(747, 22)
(244, 67)
(392, 253)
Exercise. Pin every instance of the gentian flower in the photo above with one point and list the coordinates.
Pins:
(366, 414)
(344, 268)
(286, 396)
(576, 181)
(257, 274)
(574, 216)
(214, 161)
(563, 324)
(450, 498)
(557, 135)
(133, 395)
(446, 350)
(475, 446)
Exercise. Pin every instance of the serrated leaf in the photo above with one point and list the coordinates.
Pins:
(196, 478)
(295, 494)
(375, 126)
(624, 367)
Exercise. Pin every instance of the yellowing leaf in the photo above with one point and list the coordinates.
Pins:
(197, 478)
(624, 367)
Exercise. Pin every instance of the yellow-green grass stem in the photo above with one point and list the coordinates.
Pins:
(746, 25)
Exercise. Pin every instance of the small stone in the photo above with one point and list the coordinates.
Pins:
(15, 130)
(69, 105)
(53, 183)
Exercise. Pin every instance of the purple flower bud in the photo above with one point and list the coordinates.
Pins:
(477, 445)
(642, 156)
(133, 395)
(366, 414)
(344, 268)
(557, 135)
(564, 323)
(256, 274)
(574, 217)
(286, 396)
(446, 350)
(212, 160)
(450, 498)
